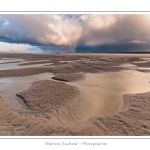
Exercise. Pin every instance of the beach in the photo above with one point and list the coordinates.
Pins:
(75, 94)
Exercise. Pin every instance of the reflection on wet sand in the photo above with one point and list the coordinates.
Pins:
(8, 64)
(103, 92)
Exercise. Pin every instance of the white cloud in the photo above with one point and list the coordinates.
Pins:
(96, 22)
(137, 42)
(44, 29)
(19, 48)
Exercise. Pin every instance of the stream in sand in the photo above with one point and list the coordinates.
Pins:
(101, 94)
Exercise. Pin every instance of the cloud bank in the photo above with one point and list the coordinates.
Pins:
(18, 48)
(76, 30)
(42, 29)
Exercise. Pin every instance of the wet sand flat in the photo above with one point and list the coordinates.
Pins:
(75, 94)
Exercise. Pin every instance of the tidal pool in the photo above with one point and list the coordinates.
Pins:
(102, 93)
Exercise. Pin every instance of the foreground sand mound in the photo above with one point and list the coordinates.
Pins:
(68, 77)
(45, 95)
(11, 123)
(133, 120)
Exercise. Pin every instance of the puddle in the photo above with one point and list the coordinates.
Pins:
(65, 61)
(3, 61)
(133, 67)
(102, 93)
(128, 66)
(143, 68)
(8, 64)
(143, 60)
(12, 85)
(36, 61)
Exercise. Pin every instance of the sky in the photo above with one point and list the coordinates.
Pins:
(52, 33)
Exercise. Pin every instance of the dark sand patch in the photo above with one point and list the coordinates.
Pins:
(83, 67)
(46, 95)
(22, 72)
(68, 63)
(69, 77)
(25, 126)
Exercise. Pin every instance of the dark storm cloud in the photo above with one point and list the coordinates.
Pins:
(76, 31)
